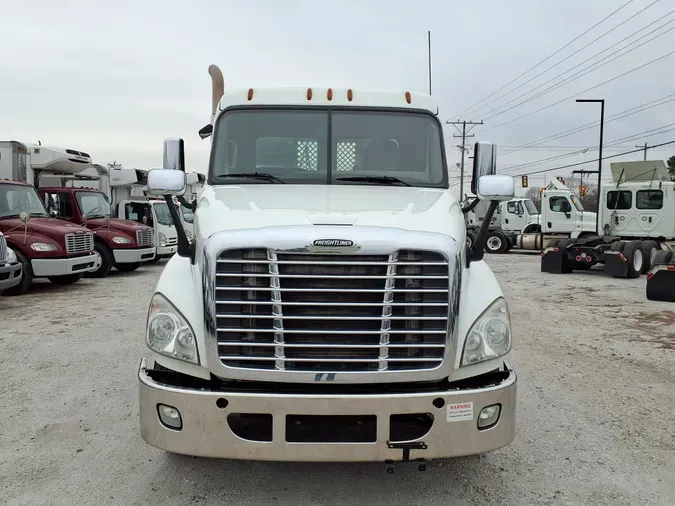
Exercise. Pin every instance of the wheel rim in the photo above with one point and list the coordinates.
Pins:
(468, 240)
(494, 243)
(637, 260)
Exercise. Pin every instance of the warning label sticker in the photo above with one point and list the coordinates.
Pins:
(461, 412)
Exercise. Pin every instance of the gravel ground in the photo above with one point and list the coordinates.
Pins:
(595, 358)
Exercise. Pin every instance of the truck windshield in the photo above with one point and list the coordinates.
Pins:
(531, 208)
(162, 213)
(188, 215)
(93, 204)
(326, 146)
(16, 199)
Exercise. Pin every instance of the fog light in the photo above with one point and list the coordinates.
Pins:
(489, 416)
(170, 417)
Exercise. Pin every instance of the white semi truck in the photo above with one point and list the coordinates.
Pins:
(325, 315)
(636, 221)
(10, 267)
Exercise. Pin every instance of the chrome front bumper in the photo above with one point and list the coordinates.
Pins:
(206, 432)
(10, 275)
(132, 256)
(166, 251)
(45, 267)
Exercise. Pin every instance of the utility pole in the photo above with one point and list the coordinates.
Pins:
(463, 135)
(429, 51)
(645, 148)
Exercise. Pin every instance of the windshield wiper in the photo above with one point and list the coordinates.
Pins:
(255, 175)
(374, 179)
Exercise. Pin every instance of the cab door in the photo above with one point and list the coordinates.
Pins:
(561, 215)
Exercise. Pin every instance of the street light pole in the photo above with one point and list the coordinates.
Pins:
(601, 101)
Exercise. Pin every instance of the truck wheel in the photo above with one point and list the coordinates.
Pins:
(662, 258)
(68, 279)
(107, 261)
(618, 246)
(496, 242)
(633, 253)
(26, 277)
(470, 238)
(649, 251)
(554, 244)
(127, 267)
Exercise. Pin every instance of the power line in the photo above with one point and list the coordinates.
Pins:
(587, 126)
(582, 72)
(609, 144)
(551, 55)
(582, 92)
(591, 161)
(570, 56)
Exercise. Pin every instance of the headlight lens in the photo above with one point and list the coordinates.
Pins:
(162, 239)
(42, 246)
(11, 256)
(121, 240)
(169, 333)
(490, 335)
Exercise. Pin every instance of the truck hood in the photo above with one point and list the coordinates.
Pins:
(46, 227)
(267, 205)
(116, 224)
(588, 221)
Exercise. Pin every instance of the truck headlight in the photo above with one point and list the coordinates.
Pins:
(489, 336)
(169, 333)
(121, 240)
(11, 256)
(162, 240)
(42, 246)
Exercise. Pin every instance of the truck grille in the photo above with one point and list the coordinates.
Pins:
(79, 243)
(172, 241)
(3, 249)
(340, 313)
(144, 237)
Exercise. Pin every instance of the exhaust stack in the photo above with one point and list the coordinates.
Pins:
(217, 88)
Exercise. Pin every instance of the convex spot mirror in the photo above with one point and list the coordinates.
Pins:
(495, 187)
(166, 182)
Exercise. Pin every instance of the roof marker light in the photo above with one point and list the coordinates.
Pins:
(250, 93)
(309, 93)
(408, 98)
(350, 95)
(329, 94)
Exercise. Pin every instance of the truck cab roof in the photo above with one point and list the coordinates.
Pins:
(322, 96)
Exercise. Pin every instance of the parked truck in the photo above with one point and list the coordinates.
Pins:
(83, 197)
(517, 216)
(322, 314)
(46, 247)
(10, 267)
(636, 221)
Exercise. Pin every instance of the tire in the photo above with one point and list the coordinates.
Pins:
(649, 251)
(618, 246)
(68, 279)
(26, 277)
(127, 267)
(554, 244)
(662, 258)
(635, 259)
(470, 238)
(107, 261)
(496, 242)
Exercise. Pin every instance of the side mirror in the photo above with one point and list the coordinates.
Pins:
(484, 162)
(495, 187)
(162, 182)
(174, 154)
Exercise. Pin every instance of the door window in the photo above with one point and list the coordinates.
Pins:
(620, 200)
(649, 199)
(559, 205)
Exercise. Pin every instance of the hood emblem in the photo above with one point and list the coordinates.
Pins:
(333, 243)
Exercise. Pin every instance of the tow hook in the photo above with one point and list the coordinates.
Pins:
(406, 447)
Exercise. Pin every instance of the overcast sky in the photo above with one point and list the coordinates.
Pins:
(116, 78)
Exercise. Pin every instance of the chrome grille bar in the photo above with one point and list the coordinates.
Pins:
(79, 243)
(311, 312)
(3, 249)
